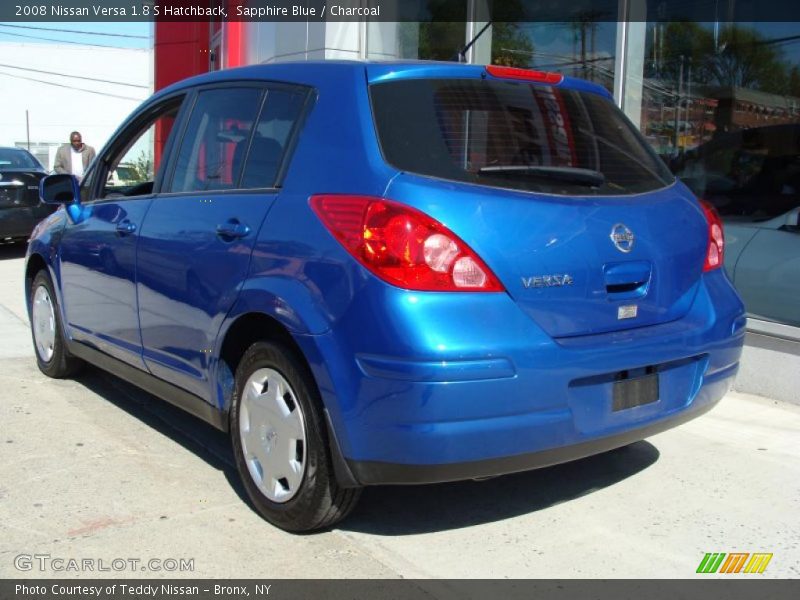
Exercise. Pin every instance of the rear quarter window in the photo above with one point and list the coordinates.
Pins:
(513, 135)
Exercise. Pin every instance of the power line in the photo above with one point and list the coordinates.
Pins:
(122, 35)
(144, 87)
(71, 87)
(46, 39)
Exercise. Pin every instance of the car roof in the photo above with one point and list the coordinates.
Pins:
(317, 72)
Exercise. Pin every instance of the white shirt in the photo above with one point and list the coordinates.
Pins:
(77, 162)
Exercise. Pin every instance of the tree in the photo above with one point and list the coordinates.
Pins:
(673, 43)
(794, 82)
(741, 57)
(511, 47)
(143, 164)
(744, 59)
(444, 35)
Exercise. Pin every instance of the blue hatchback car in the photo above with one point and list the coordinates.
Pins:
(389, 273)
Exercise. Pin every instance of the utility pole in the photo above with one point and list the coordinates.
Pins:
(678, 106)
(689, 94)
(28, 129)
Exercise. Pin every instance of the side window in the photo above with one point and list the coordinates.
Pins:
(131, 169)
(278, 118)
(213, 148)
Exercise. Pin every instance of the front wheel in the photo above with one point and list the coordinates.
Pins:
(52, 356)
(280, 442)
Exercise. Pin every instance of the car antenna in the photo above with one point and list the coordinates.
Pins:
(461, 56)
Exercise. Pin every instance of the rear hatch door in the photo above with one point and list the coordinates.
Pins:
(556, 256)
(555, 190)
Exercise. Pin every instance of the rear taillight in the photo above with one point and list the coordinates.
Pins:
(715, 253)
(526, 74)
(404, 246)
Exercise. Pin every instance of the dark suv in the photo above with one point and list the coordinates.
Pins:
(20, 208)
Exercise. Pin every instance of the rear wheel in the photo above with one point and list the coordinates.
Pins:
(48, 335)
(280, 442)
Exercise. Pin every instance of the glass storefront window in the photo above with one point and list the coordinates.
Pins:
(720, 102)
(582, 48)
(423, 41)
(439, 37)
(702, 80)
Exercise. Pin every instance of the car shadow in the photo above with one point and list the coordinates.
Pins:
(195, 435)
(15, 250)
(410, 510)
(395, 510)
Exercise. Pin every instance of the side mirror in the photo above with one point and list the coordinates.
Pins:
(60, 189)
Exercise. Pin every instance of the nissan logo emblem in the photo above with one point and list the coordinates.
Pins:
(622, 237)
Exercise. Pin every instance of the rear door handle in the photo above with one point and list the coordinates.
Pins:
(126, 227)
(232, 230)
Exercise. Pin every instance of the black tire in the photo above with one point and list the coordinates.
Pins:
(319, 501)
(61, 364)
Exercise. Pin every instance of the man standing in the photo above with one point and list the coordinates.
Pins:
(73, 158)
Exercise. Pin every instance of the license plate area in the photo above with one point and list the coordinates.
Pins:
(633, 389)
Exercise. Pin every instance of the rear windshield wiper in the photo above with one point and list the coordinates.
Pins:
(566, 174)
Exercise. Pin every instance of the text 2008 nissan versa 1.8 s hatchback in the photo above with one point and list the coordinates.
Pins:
(389, 274)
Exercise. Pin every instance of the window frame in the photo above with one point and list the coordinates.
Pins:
(134, 128)
(266, 87)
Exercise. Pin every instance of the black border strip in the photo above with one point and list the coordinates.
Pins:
(409, 11)
(732, 587)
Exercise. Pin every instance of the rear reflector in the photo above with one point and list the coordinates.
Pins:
(526, 74)
(403, 246)
(715, 254)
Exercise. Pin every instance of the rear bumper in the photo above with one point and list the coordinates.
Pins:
(382, 473)
(489, 393)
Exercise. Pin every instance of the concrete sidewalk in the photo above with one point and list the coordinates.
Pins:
(96, 469)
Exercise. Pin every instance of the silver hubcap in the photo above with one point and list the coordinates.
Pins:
(43, 318)
(272, 432)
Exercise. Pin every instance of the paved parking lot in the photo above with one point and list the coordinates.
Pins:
(95, 469)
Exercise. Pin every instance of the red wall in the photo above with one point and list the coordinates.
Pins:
(181, 50)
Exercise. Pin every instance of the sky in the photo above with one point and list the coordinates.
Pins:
(91, 89)
(104, 34)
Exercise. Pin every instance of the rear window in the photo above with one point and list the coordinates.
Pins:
(11, 159)
(513, 135)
